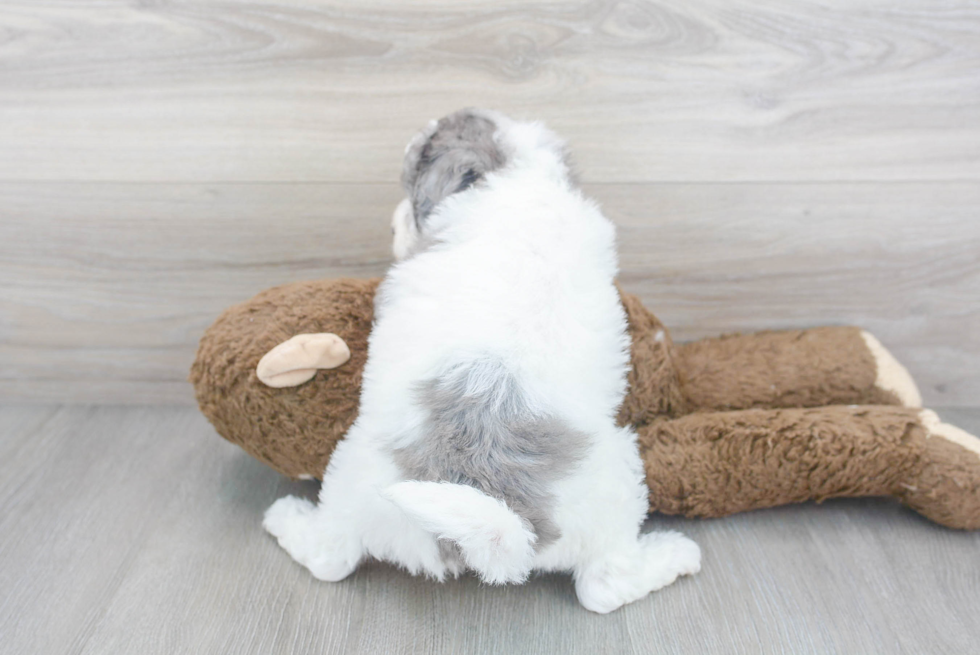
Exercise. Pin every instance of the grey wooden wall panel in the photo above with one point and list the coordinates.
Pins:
(321, 91)
(107, 287)
(901, 260)
(138, 530)
(153, 161)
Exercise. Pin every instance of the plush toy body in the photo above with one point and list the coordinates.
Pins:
(725, 425)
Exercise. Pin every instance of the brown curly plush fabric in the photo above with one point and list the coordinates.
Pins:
(947, 490)
(293, 429)
(718, 463)
(809, 420)
(839, 369)
(654, 387)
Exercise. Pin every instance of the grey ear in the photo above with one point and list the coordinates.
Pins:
(447, 157)
(413, 152)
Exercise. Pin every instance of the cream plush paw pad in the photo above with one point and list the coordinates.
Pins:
(297, 360)
(892, 376)
(932, 423)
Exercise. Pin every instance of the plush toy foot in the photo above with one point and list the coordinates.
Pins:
(297, 360)
(661, 557)
(949, 432)
(948, 488)
(294, 523)
(891, 375)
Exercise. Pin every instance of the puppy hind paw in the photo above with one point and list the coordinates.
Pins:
(288, 514)
(669, 555)
(330, 567)
(293, 522)
(600, 594)
(658, 561)
(289, 520)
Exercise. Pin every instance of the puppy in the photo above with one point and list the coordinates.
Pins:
(486, 438)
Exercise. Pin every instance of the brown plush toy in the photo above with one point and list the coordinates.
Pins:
(725, 425)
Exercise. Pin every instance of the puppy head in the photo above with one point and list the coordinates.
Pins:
(457, 152)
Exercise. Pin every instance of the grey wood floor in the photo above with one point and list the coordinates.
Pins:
(137, 530)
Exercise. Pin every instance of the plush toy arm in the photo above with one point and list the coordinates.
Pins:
(715, 464)
(793, 368)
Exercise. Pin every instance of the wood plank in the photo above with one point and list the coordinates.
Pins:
(78, 500)
(902, 261)
(107, 287)
(137, 530)
(111, 286)
(293, 90)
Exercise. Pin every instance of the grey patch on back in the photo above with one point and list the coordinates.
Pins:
(481, 432)
(458, 153)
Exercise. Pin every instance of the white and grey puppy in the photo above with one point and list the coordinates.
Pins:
(486, 438)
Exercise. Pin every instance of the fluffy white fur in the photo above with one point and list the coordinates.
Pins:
(522, 269)
(494, 541)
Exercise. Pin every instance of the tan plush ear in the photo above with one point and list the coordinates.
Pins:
(297, 360)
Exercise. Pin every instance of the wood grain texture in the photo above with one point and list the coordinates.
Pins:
(900, 260)
(137, 530)
(768, 164)
(293, 90)
(108, 287)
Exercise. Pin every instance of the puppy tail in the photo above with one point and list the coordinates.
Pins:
(494, 541)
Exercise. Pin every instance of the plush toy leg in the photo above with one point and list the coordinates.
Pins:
(948, 487)
(714, 464)
(794, 368)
